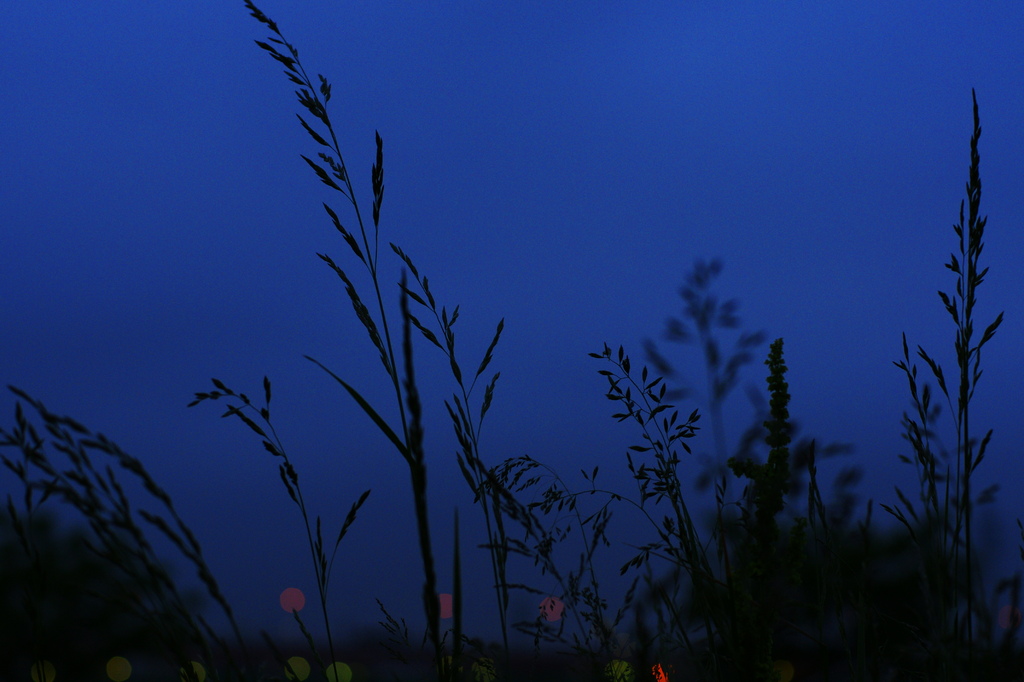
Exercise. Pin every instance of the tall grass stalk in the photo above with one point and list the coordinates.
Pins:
(949, 537)
(407, 438)
(730, 604)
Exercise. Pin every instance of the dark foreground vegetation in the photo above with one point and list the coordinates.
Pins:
(778, 584)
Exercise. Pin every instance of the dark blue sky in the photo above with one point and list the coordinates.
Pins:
(558, 165)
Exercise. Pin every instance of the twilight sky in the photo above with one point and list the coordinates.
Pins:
(559, 165)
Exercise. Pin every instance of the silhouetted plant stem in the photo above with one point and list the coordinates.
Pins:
(705, 313)
(120, 538)
(744, 605)
(418, 472)
(770, 482)
(410, 441)
(960, 307)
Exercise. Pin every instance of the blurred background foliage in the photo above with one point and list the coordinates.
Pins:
(69, 608)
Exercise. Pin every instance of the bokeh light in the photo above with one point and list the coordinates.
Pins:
(339, 672)
(551, 608)
(448, 663)
(299, 668)
(446, 604)
(197, 668)
(292, 599)
(1009, 617)
(43, 671)
(483, 670)
(619, 671)
(119, 669)
(785, 669)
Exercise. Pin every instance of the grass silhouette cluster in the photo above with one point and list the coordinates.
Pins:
(735, 601)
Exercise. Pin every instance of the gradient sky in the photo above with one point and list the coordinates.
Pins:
(559, 165)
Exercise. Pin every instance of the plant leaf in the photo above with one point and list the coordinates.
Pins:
(368, 409)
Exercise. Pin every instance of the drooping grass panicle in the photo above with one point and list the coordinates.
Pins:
(238, 406)
(120, 539)
(730, 612)
(379, 329)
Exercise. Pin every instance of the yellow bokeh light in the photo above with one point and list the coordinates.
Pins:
(619, 671)
(785, 669)
(339, 672)
(448, 663)
(43, 671)
(119, 669)
(197, 668)
(299, 668)
(483, 670)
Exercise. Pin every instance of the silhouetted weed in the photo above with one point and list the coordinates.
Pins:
(761, 595)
